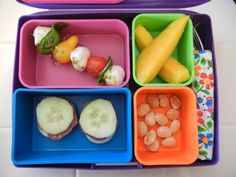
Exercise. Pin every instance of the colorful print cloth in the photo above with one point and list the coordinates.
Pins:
(203, 86)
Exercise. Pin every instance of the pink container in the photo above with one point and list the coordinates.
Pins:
(103, 37)
(73, 1)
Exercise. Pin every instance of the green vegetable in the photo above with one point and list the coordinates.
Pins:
(101, 79)
(53, 37)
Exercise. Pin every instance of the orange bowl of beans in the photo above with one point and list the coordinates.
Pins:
(165, 126)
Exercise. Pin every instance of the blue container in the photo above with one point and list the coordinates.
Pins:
(30, 147)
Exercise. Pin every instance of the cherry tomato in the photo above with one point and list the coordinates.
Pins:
(95, 65)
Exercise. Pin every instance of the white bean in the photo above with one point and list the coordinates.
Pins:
(175, 102)
(150, 119)
(174, 126)
(172, 114)
(164, 101)
(169, 142)
(153, 101)
(163, 131)
(154, 146)
(142, 129)
(150, 137)
(161, 119)
(143, 109)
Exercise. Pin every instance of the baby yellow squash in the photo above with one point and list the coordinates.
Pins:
(156, 54)
(172, 71)
(142, 37)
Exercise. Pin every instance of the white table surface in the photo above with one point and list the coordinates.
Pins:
(223, 14)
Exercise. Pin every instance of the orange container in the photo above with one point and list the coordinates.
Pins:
(186, 150)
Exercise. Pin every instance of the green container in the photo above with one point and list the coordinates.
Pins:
(155, 23)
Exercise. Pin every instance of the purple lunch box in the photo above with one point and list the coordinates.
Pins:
(126, 11)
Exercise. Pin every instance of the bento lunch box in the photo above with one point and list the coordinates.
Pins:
(125, 12)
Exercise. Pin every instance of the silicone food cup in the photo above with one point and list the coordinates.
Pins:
(102, 37)
(186, 150)
(155, 23)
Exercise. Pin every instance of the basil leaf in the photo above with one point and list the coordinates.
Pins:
(49, 42)
(101, 79)
(59, 26)
(53, 38)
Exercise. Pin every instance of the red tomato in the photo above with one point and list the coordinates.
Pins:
(95, 65)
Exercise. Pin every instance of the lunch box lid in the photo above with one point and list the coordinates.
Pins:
(113, 4)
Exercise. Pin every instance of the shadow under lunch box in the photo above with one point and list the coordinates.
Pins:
(125, 11)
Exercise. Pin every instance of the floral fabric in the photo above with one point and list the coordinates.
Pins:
(203, 86)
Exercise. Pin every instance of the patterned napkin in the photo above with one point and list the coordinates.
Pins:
(203, 85)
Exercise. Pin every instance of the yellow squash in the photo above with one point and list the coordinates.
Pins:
(142, 37)
(62, 51)
(156, 54)
(172, 71)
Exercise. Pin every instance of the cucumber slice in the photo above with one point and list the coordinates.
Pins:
(101, 78)
(54, 115)
(98, 119)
